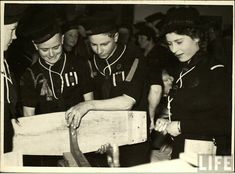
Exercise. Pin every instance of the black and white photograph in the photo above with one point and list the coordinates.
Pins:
(117, 86)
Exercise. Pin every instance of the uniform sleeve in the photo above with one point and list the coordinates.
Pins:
(214, 117)
(155, 76)
(28, 91)
(135, 80)
(86, 80)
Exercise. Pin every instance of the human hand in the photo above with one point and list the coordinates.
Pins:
(74, 115)
(104, 148)
(173, 128)
(161, 125)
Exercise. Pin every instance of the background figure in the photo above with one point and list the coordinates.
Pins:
(154, 21)
(199, 100)
(162, 144)
(75, 40)
(71, 35)
(125, 34)
(156, 59)
(13, 13)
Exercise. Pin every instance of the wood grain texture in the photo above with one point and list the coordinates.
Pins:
(48, 134)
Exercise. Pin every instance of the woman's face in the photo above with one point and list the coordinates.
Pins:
(143, 41)
(182, 46)
(71, 37)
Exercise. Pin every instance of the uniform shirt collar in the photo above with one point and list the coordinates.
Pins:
(102, 64)
(198, 57)
(59, 63)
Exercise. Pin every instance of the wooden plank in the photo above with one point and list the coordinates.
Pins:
(48, 134)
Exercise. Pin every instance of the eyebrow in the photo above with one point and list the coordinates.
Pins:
(176, 40)
(104, 43)
(51, 47)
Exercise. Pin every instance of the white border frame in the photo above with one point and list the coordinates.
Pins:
(103, 170)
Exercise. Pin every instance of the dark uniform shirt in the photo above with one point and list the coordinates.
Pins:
(55, 88)
(123, 73)
(200, 102)
(159, 58)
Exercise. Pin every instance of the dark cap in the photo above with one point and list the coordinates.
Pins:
(40, 26)
(180, 18)
(154, 17)
(100, 22)
(13, 13)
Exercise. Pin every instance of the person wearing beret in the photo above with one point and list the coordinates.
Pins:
(118, 74)
(200, 99)
(12, 14)
(57, 80)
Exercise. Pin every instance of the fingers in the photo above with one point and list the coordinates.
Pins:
(161, 125)
(68, 116)
(76, 120)
(70, 119)
(73, 117)
(103, 149)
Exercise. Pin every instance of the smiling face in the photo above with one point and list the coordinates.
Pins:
(103, 44)
(182, 46)
(71, 37)
(9, 34)
(51, 50)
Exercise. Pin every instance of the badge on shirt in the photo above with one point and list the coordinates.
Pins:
(71, 78)
(118, 77)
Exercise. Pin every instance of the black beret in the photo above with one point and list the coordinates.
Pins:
(179, 18)
(100, 22)
(154, 17)
(39, 26)
(13, 12)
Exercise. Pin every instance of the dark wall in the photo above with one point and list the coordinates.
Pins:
(226, 12)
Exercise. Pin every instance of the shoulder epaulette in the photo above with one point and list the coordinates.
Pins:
(216, 66)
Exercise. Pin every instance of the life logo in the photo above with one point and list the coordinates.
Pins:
(71, 78)
(215, 164)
